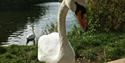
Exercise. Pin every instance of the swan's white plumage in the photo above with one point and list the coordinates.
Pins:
(49, 47)
(51, 50)
(54, 47)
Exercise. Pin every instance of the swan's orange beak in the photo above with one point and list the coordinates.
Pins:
(82, 19)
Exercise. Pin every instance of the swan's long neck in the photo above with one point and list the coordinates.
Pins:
(67, 53)
(61, 23)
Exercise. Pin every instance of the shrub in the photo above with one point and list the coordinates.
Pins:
(106, 15)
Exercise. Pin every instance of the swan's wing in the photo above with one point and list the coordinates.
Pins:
(49, 47)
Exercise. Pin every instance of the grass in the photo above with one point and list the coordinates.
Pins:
(97, 47)
(18, 54)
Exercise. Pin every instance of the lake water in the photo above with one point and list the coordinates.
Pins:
(15, 26)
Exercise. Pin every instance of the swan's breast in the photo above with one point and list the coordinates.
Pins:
(49, 47)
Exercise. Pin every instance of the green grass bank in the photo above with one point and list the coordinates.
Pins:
(97, 47)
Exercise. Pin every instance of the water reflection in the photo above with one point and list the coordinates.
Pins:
(16, 26)
(11, 21)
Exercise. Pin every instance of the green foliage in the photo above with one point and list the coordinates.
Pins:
(97, 47)
(113, 52)
(105, 15)
(19, 54)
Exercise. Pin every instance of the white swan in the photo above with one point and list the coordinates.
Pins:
(54, 47)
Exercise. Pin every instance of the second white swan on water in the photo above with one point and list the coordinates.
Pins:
(55, 47)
